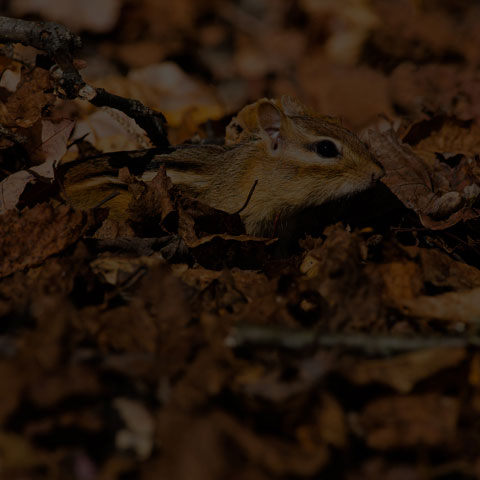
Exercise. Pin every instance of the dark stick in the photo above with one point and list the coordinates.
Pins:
(54, 39)
(60, 44)
(151, 121)
(252, 336)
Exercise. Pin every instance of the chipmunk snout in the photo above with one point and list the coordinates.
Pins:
(378, 171)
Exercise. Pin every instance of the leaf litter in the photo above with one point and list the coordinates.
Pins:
(120, 345)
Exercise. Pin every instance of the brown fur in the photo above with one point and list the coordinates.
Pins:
(290, 175)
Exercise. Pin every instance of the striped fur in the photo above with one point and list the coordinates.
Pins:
(290, 175)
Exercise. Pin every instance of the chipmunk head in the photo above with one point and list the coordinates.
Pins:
(311, 156)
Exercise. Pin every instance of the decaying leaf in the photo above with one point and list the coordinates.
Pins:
(403, 372)
(138, 434)
(204, 440)
(456, 307)
(154, 203)
(43, 230)
(409, 421)
(184, 101)
(24, 107)
(117, 270)
(337, 284)
(13, 189)
(444, 135)
(424, 187)
(159, 207)
(405, 283)
(359, 357)
(220, 251)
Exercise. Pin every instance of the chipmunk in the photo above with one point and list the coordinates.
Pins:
(295, 158)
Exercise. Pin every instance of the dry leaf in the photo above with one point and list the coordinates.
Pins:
(54, 145)
(31, 236)
(116, 270)
(410, 421)
(220, 251)
(138, 434)
(460, 307)
(421, 186)
(402, 372)
(24, 107)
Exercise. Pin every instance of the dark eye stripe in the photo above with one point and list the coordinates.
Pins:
(325, 149)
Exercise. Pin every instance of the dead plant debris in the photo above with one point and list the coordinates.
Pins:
(166, 343)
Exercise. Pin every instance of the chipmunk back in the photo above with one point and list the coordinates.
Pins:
(294, 157)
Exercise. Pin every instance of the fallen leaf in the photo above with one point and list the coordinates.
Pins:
(185, 102)
(444, 135)
(455, 307)
(24, 106)
(455, 287)
(402, 372)
(410, 421)
(13, 189)
(343, 289)
(48, 391)
(31, 236)
(116, 270)
(440, 88)
(207, 437)
(110, 130)
(331, 422)
(153, 204)
(138, 434)
(219, 251)
(209, 220)
(417, 184)
(441, 271)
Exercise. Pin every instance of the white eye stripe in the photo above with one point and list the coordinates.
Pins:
(307, 154)
(318, 154)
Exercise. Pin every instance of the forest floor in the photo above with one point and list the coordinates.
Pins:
(173, 346)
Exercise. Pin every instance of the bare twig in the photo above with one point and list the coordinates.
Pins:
(299, 339)
(60, 44)
(52, 38)
(151, 121)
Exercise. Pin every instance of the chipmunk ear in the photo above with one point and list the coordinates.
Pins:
(293, 107)
(270, 120)
(333, 120)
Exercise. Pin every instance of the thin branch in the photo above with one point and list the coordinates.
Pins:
(52, 38)
(151, 121)
(300, 339)
(60, 44)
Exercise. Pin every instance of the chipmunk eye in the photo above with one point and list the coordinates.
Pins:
(326, 149)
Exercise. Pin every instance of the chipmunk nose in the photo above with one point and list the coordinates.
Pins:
(378, 171)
